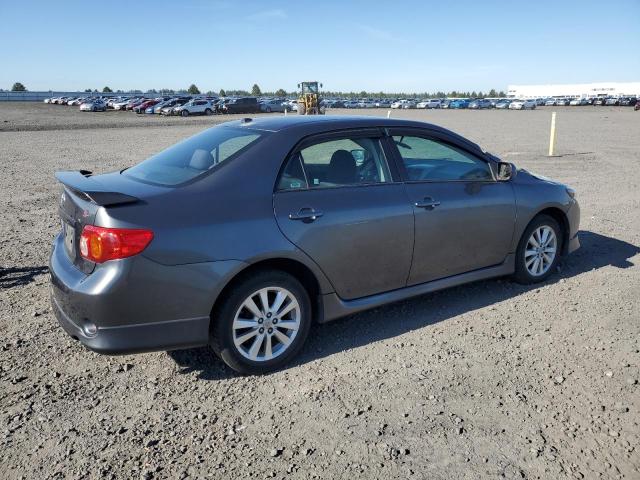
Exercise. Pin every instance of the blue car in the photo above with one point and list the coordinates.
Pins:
(459, 104)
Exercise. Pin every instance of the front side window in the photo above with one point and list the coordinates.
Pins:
(336, 163)
(194, 156)
(430, 160)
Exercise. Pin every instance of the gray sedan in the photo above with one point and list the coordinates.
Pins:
(243, 235)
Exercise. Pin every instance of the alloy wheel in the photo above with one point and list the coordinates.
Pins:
(266, 324)
(540, 251)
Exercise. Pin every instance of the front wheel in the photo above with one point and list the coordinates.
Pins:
(262, 323)
(208, 111)
(301, 109)
(539, 250)
(184, 113)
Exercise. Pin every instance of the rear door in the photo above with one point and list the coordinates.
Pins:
(464, 218)
(338, 201)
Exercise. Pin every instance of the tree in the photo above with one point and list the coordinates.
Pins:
(87, 90)
(107, 90)
(222, 93)
(281, 93)
(255, 90)
(18, 87)
(193, 90)
(493, 93)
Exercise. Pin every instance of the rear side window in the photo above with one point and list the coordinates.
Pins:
(195, 156)
(335, 163)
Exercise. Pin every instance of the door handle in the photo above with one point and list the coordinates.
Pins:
(306, 214)
(427, 203)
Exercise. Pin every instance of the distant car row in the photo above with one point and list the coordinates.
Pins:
(210, 105)
(168, 105)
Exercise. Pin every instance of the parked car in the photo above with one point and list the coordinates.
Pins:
(503, 104)
(383, 103)
(445, 103)
(480, 103)
(296, 232)
(241, 105)
(93, 106)
(562, 102)
(195, 107)
(599, 101)
(273, 106)
(636, 106)
(144, 105)
(529, 104)
(578, 102)
(612, 101)
(459, 103)
(628, 101)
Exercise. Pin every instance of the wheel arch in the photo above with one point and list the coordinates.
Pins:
(559, 216)
(295, 268)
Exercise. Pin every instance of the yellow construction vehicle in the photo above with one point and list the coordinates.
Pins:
(309, 99)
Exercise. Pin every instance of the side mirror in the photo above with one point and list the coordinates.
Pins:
(506, 171)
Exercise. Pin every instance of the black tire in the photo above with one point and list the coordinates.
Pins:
(522, 275)
(221, 335)
(208, 111)
(301, 109)
(184, 113)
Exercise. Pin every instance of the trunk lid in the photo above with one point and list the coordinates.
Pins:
(82, 196)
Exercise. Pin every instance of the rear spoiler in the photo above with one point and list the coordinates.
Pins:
(83, 184)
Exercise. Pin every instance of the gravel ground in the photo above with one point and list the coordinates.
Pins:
(489, 380)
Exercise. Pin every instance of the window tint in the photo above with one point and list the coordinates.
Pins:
(335, 163)
(194, 156)
(430, 160)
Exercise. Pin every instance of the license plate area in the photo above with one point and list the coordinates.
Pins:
(69, 236)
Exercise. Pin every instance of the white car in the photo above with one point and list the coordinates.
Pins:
(422, 104)
(120, 105)
(398, 104)
(522, 105)
(195, 107)
(93, 106)
(383, 104)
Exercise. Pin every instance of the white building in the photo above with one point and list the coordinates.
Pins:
(604, 89)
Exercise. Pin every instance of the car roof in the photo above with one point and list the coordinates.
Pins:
(314, 124)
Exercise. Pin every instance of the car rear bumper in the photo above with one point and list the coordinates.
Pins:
(135, 304)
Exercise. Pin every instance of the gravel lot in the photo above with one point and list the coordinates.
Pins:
(489, 380)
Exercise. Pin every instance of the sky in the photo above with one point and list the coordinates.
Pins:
(348, 45)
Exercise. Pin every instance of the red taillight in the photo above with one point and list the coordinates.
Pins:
(99, 244)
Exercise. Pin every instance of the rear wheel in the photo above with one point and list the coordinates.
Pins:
(301, 109)
(268, 109)
(184, 113)
(539, 250)
(208, 111)
(262, 323)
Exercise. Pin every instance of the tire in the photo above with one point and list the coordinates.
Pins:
(184, 113)
(268, 109)
(208, 111)
(526, 261)
(301, 109)
(223, 336)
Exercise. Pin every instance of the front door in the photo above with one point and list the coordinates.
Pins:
(464, 218)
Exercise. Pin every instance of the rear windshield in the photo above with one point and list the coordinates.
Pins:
(194, 156)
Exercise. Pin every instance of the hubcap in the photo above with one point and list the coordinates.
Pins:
(266, 324)
(540, 251)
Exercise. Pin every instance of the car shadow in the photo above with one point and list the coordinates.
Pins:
(597, 251)
(18, 276)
